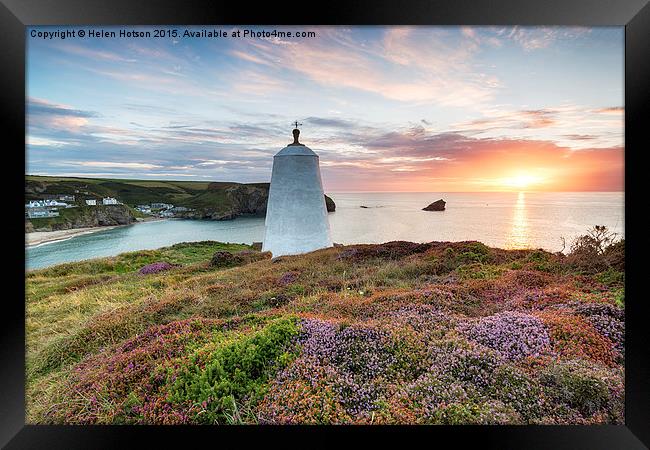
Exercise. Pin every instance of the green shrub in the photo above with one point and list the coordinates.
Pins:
(619, 297)
(479, 271)
(296, 290)
(478, 248)
(597, 251)
(615, 255)
(483, 413)
(514, 387)
(471, 257)
(235, 374)
(474, 252)
(611, 277)
(577, 384)
(542, 261)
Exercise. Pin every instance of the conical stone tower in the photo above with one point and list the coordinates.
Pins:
(296, 214)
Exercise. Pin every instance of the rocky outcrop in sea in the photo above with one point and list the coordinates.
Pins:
(438, 205)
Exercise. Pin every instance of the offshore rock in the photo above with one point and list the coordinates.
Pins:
(438, 205)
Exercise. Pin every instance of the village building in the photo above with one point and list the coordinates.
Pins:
(110, 201)
(145, 209)
(45, 204)
(91, 202)
(161, 206)
(39, 213)
(180, 209)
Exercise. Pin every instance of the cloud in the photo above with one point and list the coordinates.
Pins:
(612, 110)
(397, 67)
(56, 122)
(522, 119)
(363, 157)
(536, 38)
(401, 161)
(379, 105)
(330, 122)
(561, 124)
(38, 107)
(118, 165)
(45, 142)
(252, 82)
(94, 54)
(580, 137)
(250, 57)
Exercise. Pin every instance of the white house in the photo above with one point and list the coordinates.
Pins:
(36, 213)
(44, 204)
(161, 206)
(146, 209)
(110, 201)
(91, 202)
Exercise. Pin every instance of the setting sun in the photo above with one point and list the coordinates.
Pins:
(522, 181)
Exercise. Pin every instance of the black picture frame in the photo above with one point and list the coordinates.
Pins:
(634, 15)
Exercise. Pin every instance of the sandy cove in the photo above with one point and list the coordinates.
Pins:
(42, 237)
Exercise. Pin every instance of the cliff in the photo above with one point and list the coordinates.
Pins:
(209, 200)
(82, 217)
(221, 202)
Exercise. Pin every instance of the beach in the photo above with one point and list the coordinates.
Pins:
(42, 237)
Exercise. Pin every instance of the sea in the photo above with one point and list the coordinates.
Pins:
(513, 220)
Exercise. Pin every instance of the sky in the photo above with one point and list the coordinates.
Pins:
(425, 109)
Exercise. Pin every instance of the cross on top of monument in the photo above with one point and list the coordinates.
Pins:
(296, 133)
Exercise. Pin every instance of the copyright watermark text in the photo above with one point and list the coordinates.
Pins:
(174, 33)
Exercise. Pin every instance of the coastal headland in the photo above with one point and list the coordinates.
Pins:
(143, 199)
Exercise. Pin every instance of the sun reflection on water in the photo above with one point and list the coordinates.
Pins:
(519, 236)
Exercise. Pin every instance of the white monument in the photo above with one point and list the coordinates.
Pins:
(296, 214)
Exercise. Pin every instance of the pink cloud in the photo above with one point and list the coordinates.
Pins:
(94, 54)
(394, 68)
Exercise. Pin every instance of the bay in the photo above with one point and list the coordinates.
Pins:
(498, 219)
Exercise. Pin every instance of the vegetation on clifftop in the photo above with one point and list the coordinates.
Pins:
(86, 216)
(437, 333)
(208, 200)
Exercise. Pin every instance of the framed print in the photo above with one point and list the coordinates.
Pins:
(415, 220)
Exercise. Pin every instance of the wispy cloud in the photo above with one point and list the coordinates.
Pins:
(398, 67)
(117, 165)
(39, 107)
(94, 54)
(330, 122)
(535, 38)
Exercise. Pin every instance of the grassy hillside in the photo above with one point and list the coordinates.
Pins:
(132, 192)
(207, 200)
(442, 333)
